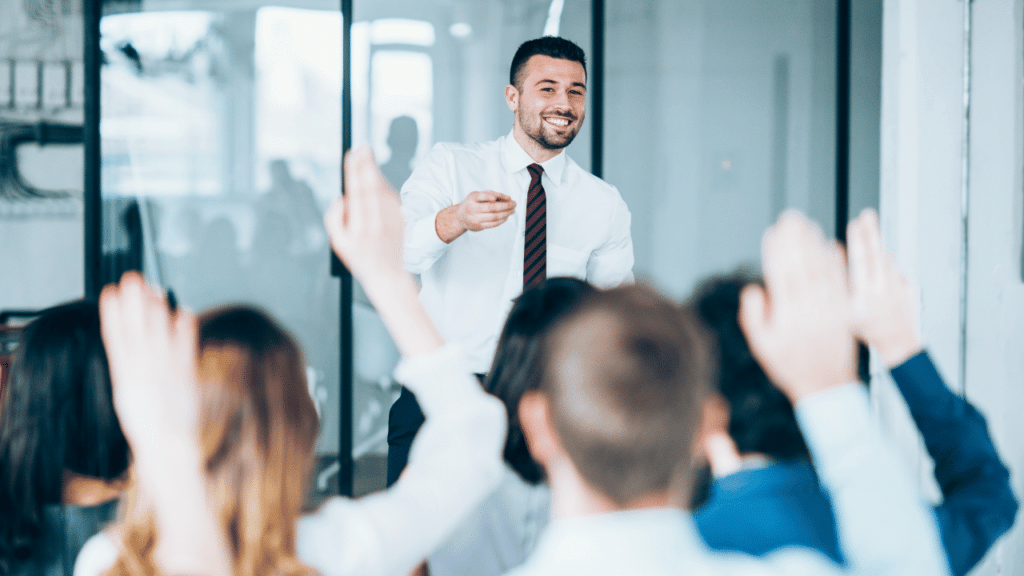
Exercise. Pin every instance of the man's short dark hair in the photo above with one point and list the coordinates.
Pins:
(761, 417)
(518, 362)
(627, 373)
(553, 46)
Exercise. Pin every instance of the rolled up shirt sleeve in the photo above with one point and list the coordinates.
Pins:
(428, 190)
(612, 263)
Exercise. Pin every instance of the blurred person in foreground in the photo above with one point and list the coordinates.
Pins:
(454, 464)
(618, 416)
(502, 532)
(62, 454)
(766, 494)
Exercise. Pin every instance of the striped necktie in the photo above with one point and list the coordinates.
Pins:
(535, 249)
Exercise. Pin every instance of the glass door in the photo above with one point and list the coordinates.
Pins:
(220, 141)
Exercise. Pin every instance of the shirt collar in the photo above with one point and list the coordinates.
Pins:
(514, 159)
(618, 535)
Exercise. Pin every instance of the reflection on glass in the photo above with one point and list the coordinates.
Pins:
(221, 147)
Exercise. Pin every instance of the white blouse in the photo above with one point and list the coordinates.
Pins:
(455, 462)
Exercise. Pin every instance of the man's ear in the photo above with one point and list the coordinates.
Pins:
(512, 97)
(534, 413)
(714, 419)
(712, 442)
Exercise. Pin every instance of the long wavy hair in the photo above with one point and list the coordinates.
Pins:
(56, 416)
(258, 435)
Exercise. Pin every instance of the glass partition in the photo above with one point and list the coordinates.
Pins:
(426, 71)
(221, 148)
(718, 115)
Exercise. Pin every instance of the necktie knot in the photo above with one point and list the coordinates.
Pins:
(535, 170)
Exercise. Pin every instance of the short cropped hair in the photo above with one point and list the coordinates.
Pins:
(553, 46)
(627, 373)
(519, 359)
(761, 416)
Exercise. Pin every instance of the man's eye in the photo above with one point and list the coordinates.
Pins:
(576, 92)
(547, 89)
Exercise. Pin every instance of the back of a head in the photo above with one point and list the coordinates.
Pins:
(519, 359)
(258, 429)
(627, 372)
(56, 416)
(551, 46)
(761, 417)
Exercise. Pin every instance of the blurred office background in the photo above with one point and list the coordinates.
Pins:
(200, 141)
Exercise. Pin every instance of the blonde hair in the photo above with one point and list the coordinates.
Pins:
(258, 433)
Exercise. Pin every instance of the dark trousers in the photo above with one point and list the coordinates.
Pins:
(404, 422)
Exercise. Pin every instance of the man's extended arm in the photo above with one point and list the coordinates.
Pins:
(436, 214)
(428, 191)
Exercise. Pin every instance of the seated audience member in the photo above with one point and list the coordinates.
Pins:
(152, 357)
(62, 453)
(615, 422)
(256, 428)
(775, 500)
(503, 530)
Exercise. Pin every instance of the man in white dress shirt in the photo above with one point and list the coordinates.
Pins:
(466, 212)
(619, 412)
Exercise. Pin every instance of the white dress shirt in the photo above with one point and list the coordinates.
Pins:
(884, 527)
(454, 463)
(468, 285)
(500, 534)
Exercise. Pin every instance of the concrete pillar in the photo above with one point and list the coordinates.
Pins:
(922, 168)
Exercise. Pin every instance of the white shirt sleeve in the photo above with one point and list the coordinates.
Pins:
(428, 190)
(883, 524)
(612, 263)
(97, 556)
(455, 462)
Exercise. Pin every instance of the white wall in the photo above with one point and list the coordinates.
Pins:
(693, 84)
(41, 260)
(922, 138)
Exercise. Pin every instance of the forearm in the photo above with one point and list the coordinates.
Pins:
(883, 526)
(454, 464)
(978, 502)
(397, 302)
(191, 540)
(447, 224)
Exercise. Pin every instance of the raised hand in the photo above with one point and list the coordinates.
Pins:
(152, 357)
(365, 226)
(884, 304)
(799, 326)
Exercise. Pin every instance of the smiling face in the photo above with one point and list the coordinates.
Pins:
(549, 104)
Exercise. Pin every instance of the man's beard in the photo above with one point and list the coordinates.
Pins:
(549, 140)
